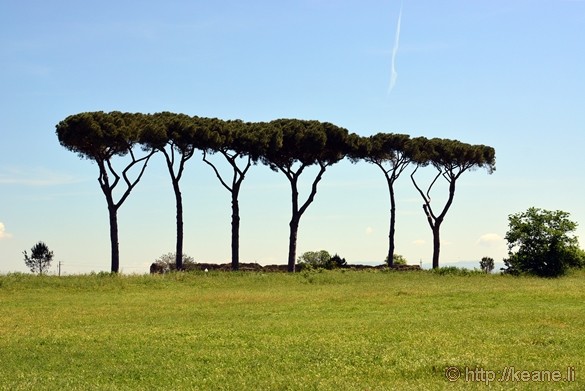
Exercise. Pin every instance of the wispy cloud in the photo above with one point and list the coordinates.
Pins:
(419, 242)
(34, 177)
(394, 74)
(3, 233)
(369, 231)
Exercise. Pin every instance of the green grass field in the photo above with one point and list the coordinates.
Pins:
(330, 330)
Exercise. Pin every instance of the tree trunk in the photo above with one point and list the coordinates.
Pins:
(294, 226)
(179, 244)
(235, 229)
(292, 242)
(436, 244)
(392, 226)
(113, 212)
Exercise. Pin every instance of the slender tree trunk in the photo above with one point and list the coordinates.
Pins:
(436, 244)
(235, 229)
(179, 244)
(293, 225)
(292, 242)
(113, 212)
(392, 226)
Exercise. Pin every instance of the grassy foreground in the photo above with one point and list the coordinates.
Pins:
(328, 330)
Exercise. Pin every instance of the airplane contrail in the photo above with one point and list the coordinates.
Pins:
(394, 74)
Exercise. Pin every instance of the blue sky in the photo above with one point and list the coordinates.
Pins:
(505, 73)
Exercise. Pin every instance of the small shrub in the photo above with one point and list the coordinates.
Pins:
(399, 260)
(315, 259)
(335, 262)
(166, 263)
(486, 264)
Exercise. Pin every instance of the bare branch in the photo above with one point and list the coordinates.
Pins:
(134, 162)
(432, 184)
(116, 176)
(132, 184)
(313, 188)
(172, 145)
(239, 174)
(401, 164)
(217, 174)
(290, 174)
(426, 198)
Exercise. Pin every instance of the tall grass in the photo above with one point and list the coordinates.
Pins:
(329, 330)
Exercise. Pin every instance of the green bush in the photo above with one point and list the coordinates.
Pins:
(321, 260)
(314, 259)
(540, 242)
(335, 262)
(166, 263)
(399, 260)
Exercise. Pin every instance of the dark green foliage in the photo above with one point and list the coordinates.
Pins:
(98, 135)
(40, 258)
(335, 262)
(486, 264)
(305, 142)
(541, 242)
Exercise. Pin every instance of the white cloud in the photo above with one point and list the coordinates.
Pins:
(369, 231)
(490, 240)
(34, 177)
(3, 233)
(419, 242)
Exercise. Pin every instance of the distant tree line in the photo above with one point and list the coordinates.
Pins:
(288, 146)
